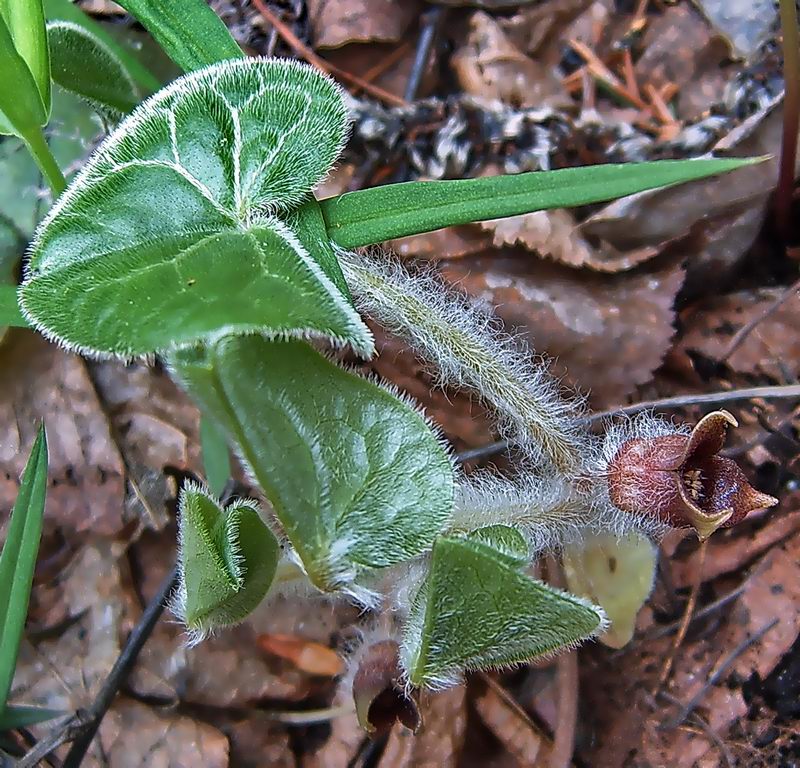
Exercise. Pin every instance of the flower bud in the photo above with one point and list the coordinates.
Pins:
(679, 480)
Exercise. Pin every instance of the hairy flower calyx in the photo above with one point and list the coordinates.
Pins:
(680, 480)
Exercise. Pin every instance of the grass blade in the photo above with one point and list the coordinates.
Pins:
(19, 558)
(395, 210)
(21, 716)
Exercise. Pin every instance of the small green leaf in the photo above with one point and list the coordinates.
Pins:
(356, 477)
(168, 235)
(20, 716)
(18, 559)
(21, 110)
(216, 457)
(617, 574)
(190, 33)
(382, 213)
(227, 561)
(508, 543)
(25, 22)
(475, 611)
(84, 65)
(66, 10)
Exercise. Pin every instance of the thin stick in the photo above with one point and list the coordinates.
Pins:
(430, 23)
(791, 117)
(299, 47)
(742, 334)
(685, 621)
(716, 676)
(667, 403)
(121, 669)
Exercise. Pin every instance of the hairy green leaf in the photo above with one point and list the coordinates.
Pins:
(83, 64)
(25, 22)
(191, 34)
(356, 477)
(168, 235)
(216, 457)
(20, 716)
(227, 561)
(477, 611)
(395, 210)
(66, 10)
(509, 544)
(18, 559)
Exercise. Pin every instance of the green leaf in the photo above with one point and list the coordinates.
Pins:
(509, 544)
(356, 477)
(216, 457)
(9, 308)
(18, 559)
(20, 716)
(227, 561)
(191, 34)
(382, 213)
(21, 110)
(25, 22)
(617, 574)
(66, 10)
(475, 611)
(168, 236)
(84, 65)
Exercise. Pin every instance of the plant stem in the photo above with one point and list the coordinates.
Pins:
(37, 145)
(791, 116)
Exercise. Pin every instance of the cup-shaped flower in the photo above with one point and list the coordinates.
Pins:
(681, 481)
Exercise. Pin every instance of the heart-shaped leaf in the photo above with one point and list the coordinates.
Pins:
(84, 65)
(168, 235)
(227, 561)
(356, 477)
(477, 611)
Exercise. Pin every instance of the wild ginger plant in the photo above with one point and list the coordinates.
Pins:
(193, 233)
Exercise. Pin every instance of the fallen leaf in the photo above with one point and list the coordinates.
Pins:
(745, 23)
(342, 745)
(607, 333)
(41, 382)
(336, 22)
(256, 741)
(306, 655)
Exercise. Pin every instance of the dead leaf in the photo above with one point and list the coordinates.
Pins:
(448, 243)
(491, 67)
(745, 23)
(256, 741)
(438, 742)
(344, 742)
(40, 382)
(336, 22)
(306, 655)
(607, 333)
(134, 734)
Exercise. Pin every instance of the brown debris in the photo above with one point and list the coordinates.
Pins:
(336, 22)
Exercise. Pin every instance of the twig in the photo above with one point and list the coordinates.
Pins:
(791, 117)
(685, 621)
(716, 676)
(430, 23)
(667, 403)
(120, 671)
(300, 48)
(741, 335)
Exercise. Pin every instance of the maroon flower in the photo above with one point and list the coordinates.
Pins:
(681, 481)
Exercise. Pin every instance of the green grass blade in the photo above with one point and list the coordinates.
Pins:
(216, 456)
(21, 716)
(190, 33)
(396, 210)
(19, 558)
(9, 308)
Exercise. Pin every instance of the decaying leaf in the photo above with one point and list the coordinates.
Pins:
(336, 22)
(745, 23)
(306, 655)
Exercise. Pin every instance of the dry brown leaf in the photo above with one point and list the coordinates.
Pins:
(256, 741)
(342, 745)
(745, 23)
(607, 333)
(40, 382)
(772, 349)
(134, 734)
(336, 22)
(438, 742)
(542, 26)
(306, 655)
(489, 66)
(448, 243)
